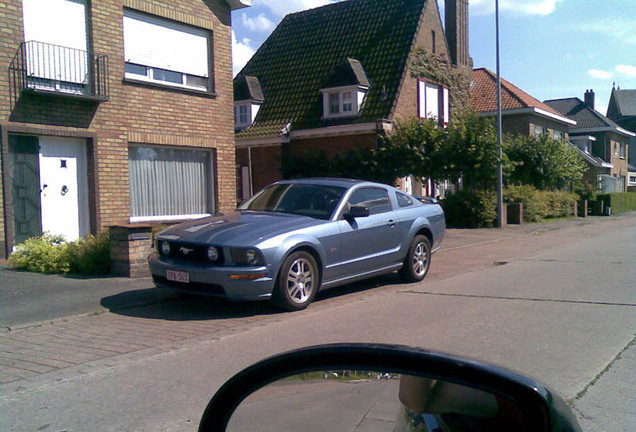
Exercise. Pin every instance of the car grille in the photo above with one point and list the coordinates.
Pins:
(194, 287)
(193, 252)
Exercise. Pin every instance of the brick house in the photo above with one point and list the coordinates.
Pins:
(600, 137)
(522, 114)
(113, 111)
(331, 79)
(622, 110)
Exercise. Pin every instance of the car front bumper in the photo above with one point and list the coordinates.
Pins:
(234, 283)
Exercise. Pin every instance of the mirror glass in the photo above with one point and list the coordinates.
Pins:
(364, 401)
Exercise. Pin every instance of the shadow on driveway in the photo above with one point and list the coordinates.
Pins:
(155, 303)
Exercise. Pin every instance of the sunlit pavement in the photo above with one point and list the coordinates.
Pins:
(133, 320)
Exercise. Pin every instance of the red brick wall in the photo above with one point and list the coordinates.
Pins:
(406, 105)
(135, 113)
(331, 146)
(265, 165)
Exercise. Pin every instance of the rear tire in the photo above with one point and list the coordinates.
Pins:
(297, 283)
(417, 261)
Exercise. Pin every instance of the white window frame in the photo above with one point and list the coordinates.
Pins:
(433, 102)
(192, 74)
(251, 109)
(349, 107)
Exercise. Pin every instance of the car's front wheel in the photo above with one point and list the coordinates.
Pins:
(417, 261)
(298, 282)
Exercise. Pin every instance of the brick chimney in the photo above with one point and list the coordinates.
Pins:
(589, 98)
(456, 18)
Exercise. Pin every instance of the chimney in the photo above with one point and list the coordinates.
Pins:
(456, 19)
(589, 98)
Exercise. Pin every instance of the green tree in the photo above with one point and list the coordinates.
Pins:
(543, 162)
(471, 152)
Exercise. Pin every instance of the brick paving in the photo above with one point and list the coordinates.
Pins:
(99, 339)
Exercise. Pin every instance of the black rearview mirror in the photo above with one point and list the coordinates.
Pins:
(357, 387)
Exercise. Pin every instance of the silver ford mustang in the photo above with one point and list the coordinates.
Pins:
(296, 237)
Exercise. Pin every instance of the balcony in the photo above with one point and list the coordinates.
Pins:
(59, 71)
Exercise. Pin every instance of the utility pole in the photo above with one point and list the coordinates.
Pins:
(500, 203)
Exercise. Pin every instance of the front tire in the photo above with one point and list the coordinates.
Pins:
(417, 261)
(298, 282)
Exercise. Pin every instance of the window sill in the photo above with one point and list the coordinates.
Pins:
(169, 219)
(159, 86)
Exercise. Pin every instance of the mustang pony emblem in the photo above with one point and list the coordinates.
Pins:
(185, 251)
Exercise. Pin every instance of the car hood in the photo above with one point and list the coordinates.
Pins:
(237, 228)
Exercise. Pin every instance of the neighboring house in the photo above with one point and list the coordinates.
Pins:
(113, 111)
(524, 115)
(520, 113)
(622, 109)
(600, 137)
(331, 79)
(631, 181)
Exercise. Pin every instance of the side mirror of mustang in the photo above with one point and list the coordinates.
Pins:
(347, 387)
(356, 212)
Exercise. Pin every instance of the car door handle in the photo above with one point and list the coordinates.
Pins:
(391, 223)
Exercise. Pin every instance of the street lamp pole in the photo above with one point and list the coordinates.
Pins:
(500, 221)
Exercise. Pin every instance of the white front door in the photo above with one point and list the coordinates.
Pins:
(63, 182)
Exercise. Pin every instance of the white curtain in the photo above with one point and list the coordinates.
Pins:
(168, 182)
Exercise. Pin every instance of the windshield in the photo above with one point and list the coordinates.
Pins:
(317, 201)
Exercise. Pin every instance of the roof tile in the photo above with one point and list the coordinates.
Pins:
(304, 50)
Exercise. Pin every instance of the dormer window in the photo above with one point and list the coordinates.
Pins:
(343, 101)
(344, 91)
(248, 96)
(245, 113)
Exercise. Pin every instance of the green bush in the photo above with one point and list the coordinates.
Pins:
(539, 205)
(50, 254)
(619, 202)
(470, 210)
(43, 254)
(90, 255)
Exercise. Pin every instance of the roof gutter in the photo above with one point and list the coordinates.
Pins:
(239, 4)
(532, 110)
(617, 129)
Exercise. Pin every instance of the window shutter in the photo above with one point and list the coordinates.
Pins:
(446, 105)
(56, 22)
(162, 44)
(421, 99)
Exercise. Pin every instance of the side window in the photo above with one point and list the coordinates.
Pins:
(403, 199)
(375, 199)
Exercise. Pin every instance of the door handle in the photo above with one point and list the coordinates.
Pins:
(391, 223)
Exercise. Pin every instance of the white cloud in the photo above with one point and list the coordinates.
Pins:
(259, 23)
(627, 70)
(282, 8)
(600, 74)
(520, 7)
(621, 28)
(242, 52)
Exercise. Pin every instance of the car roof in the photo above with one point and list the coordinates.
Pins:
(329, 181)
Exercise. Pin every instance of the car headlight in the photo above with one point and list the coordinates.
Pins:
(247, 257)
(213, 253)
(164, 247)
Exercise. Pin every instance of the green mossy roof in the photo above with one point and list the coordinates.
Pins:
(302, 54)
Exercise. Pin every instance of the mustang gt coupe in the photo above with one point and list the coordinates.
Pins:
(296, 237)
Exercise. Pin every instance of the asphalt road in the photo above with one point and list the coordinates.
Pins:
(559, 305)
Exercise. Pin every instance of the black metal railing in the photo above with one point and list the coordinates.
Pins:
(43, 67)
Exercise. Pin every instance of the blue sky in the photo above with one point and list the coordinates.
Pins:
(549, 48)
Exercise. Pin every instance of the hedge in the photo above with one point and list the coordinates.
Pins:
(619, 202)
